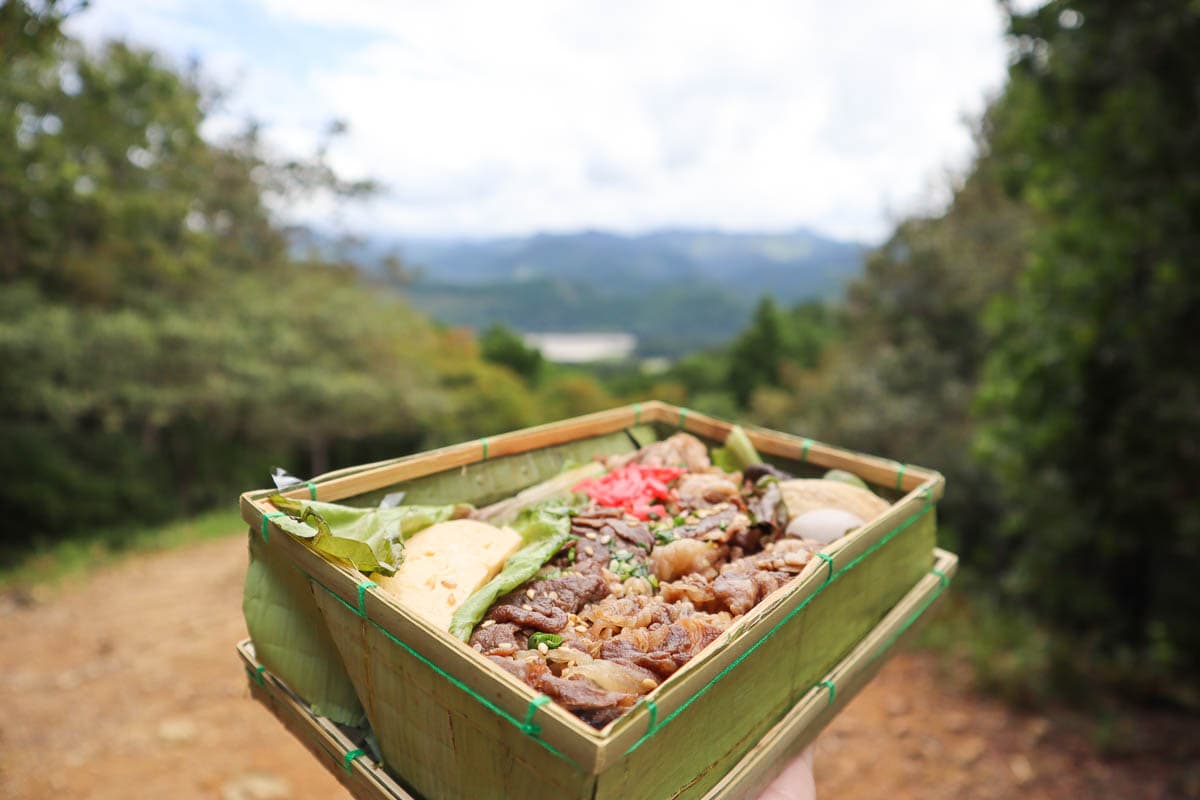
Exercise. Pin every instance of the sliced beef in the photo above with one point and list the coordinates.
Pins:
(572, 591)
(748, 539)
(743, 583)
(721, 526)
(581, 694)
(591, 556)
(768, 514)
(680, 450)
(544, 604)
(740, 590)
(705, 489)
(544, 616)
(596, 518)
(498, 639)
(600, 717)
(664, 649)
(636, 534)
(575, 695)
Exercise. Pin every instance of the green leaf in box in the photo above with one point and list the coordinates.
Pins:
(451, 723)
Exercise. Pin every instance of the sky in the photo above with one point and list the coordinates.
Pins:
(485, 118)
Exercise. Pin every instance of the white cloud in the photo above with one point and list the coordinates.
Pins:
(488, 117)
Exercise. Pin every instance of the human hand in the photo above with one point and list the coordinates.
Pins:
(795, 782)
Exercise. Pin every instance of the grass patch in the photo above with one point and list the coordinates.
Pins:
(53, 561)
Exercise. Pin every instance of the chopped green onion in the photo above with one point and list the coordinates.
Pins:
(551, 640)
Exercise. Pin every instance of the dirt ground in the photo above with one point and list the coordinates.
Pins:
(125, 684)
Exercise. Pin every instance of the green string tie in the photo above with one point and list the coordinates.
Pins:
(807, 443)
(348, 759)
(683, 412)
(256, 675)
(832, 690)
(637, 413)
(529, 727)
(362, 596)
(943, 579)
(268, 516)
(828, 559)
(484, 443)
(900, 477)
(312, 490)
(653, 706)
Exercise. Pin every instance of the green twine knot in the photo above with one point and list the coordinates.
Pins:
(807, 443)
(362, 592)
(265, 518)
(484, 444)
(529, 727)
(828, 559)
(637, 413)
(312, 490)
(832, 690)
(943, 579)
(348, 759)
(256, 675)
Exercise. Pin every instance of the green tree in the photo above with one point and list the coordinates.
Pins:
(756, 355)
(1093, 385)
(501, 345)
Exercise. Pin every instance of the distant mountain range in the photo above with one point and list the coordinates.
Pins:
(676, 290)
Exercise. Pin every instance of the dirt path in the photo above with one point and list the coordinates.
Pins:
(125, 685)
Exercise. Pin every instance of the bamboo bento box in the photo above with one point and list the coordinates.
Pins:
(451, 724)
(346, 755)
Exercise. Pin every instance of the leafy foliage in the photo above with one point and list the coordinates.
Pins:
(1036, 343)
(1093, 386)
(163, 346)
(501, 345)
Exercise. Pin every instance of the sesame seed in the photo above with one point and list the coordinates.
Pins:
(648, 683)
(527, 607)
(530, 593)
(553, 595)
(605, 539)
(487, 622)
(591, 551)
(581, 628)
(591, 535)
(543, 649)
